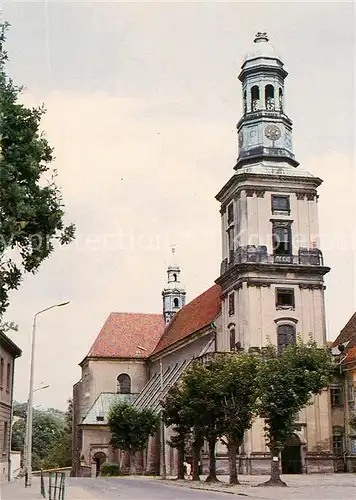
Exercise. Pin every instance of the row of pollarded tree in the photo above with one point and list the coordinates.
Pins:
(219, 400)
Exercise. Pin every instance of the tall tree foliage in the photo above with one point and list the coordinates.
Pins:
(286, 384)
(174, 415)
(31, 208)
(130, 429)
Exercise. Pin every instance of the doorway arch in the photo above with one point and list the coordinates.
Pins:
(292, 456)
(99, 459)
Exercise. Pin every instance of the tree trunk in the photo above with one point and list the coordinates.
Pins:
(196, 447)
(133, 463)
(181, 449)
(275, 479)
(212, 462)
(232, 450)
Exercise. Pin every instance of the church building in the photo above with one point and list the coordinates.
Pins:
(270, 289)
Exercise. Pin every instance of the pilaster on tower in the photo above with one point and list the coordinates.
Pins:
(174, 294)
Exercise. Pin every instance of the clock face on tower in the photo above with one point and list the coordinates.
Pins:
(273, 132)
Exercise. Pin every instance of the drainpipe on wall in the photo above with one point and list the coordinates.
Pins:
(11, 417)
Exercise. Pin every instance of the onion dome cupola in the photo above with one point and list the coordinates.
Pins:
(264, 130)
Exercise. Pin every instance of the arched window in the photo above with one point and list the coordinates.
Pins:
(269, 97)
(174, 276)
(280, 97)
(232, 339)
(286, 334)
(255, 97)
(123, 384)
(176, 302)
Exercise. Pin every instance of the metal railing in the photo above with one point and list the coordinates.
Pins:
(56, 486)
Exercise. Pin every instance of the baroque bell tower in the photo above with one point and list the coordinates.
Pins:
(174, 295)
(272, 269)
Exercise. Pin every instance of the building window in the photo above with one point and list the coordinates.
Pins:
(338, 445)
(286, 334)
(1, 372)
(255, 98)
(100, 418)
(285, 299)
(269, 97)
(282, 242)
(280, 205)
(123, 384)
(174, 276)
(280, 97)
(8, 377)
(176, 302)
(230, 213)
(336, 396)
(5, 438)
(231, 304)
(231, 234)
(232, 339)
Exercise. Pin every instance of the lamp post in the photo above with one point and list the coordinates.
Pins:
(163, 448)
(29, 418)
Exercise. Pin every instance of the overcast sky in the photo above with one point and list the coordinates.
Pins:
(142, 101)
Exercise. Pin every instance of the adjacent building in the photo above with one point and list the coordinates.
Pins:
(8, 353)
(270, 288)
(343, 403)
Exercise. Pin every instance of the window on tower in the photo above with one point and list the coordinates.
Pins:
(280, 204)
(255, 97)
(280, 96)
(231, 304)
(285, 298)
(176, 302)
(231, 234)
(230, 213)
(232, 339)
(174, 277)
(286, 334)
(269, 97)
(282, 241)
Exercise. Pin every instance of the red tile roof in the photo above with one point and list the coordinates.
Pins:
(351, 355)
(194, 316)
(348, 333)
(123, 332)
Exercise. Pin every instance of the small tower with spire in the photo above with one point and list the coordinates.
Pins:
(174, 295)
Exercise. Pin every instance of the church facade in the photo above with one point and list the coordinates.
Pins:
(270, 289)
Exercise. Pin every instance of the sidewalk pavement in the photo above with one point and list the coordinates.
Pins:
(300, 487)
(15, 490)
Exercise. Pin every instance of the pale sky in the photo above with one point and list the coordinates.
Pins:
(142, 100)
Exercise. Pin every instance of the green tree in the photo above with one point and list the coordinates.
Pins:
(60, 454)
(31, 208)
(237, 384)
(18, 435)
(203, 409)
(174, 415)
(130, 429)
(286, 384)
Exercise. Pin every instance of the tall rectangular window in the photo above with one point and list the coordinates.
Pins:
(230, 213)
(231, 235)
(5, 438)
(232, 340)
(231, 304)
(282, 241)
(8, 377)
(280, 205)
(1, 372)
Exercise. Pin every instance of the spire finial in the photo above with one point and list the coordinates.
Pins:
(261, 36)
(174, 248)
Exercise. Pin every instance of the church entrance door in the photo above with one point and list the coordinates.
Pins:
(99, 459)
(292, 456)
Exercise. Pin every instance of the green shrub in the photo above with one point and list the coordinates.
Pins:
(110, 470)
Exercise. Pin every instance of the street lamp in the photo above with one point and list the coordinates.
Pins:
(163, 449)
(28, 475)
